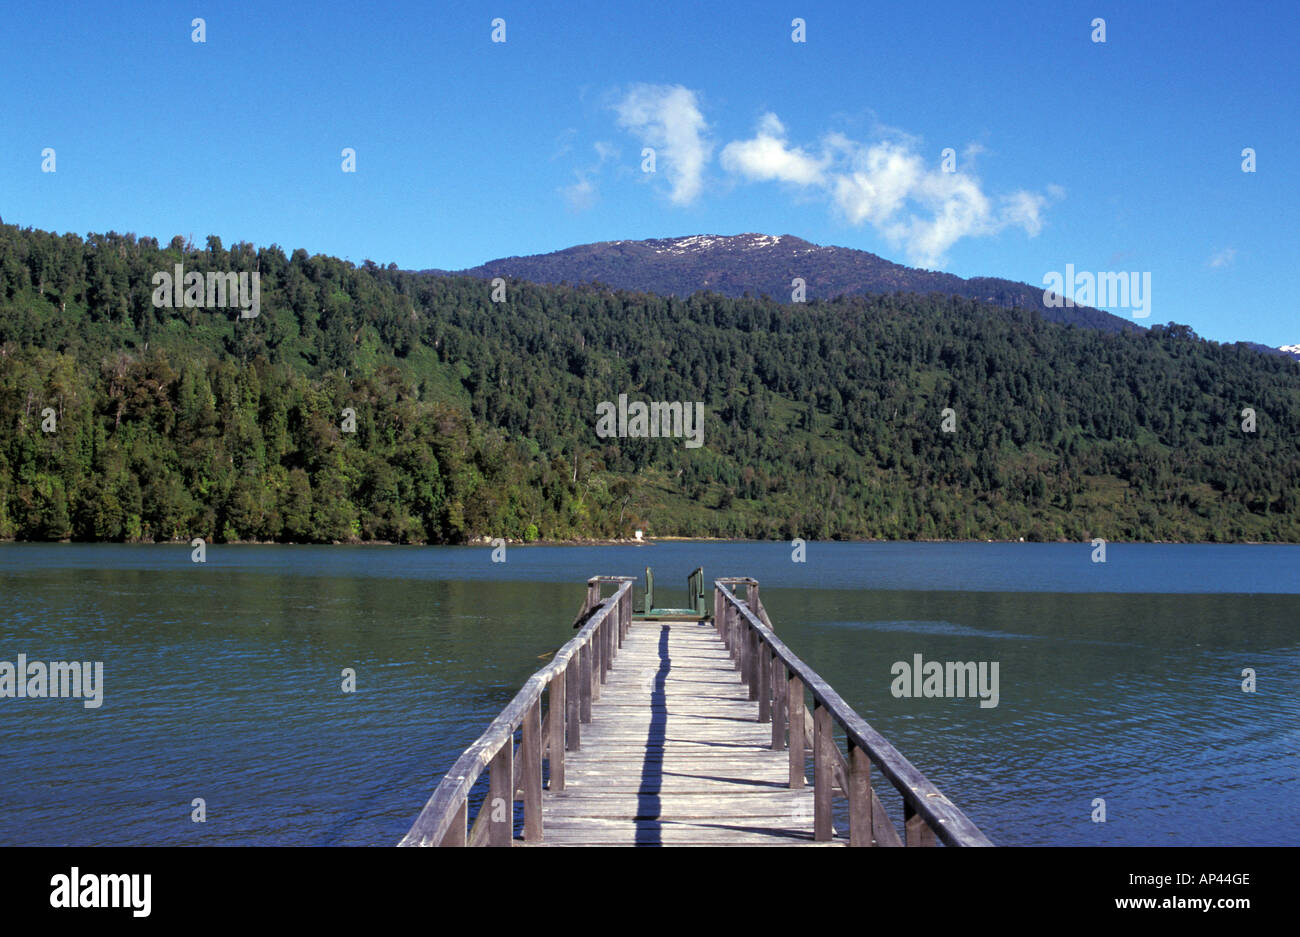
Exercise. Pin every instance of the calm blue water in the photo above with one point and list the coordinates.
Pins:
(1119, 681)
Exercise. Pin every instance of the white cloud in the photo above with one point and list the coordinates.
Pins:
(583, 193)
(878, 183)
(1023, 209)
(767, 158)
(1223, 258)
(604, 152)
(884, 182)
(890, 186)
(668, 118)
(564, 142)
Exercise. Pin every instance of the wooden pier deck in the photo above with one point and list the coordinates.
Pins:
(675, 754)
(682, 729)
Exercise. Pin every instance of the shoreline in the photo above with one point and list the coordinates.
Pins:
(647, 541)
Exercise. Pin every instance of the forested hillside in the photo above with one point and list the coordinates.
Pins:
(478, 418)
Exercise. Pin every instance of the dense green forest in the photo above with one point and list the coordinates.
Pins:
(126, 421)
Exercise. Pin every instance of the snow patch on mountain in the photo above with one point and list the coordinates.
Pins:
(703, 242)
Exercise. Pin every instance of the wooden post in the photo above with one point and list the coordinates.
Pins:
(794, 707)
(742, 646)
(611, 634)
(558, 711)
(882, 828)
(584, 681)
(764, 683)
(457, 833)
(573, 706)
(733, 617)
(530, 754)
(754, 664)
(779, 703)
(746, 647)
(624, 616)
(859, 797)
(601, 647)
(915, 828)
(823, 739)
(611, 616)
(500, 802)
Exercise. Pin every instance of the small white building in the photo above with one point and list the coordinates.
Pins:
(637, 535)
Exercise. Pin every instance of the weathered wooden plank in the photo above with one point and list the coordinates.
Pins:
(685, 838)
(530, 757)
(795, 706)
(547, 719)
(882, 828)
(585, 690)
(779, 705)
(478, 834)
(501, 798)
(823, 741)
(755, 830)
(915, 828)
(674, 764)
(615, 805)
(557, 708)
(573, 708)
(457, 833)
(859, 790)
(605, 653)
(754, 665)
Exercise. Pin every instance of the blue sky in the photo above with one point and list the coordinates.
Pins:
(1115, 156)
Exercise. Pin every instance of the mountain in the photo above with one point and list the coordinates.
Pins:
(764, 264)
(1286, 351)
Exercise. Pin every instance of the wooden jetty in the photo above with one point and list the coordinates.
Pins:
(680, 727)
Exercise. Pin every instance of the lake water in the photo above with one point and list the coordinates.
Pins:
(1120, 681)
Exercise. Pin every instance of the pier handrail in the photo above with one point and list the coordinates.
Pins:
(581, 666)
(747, 631)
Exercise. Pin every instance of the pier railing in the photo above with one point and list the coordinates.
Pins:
(570, 683)
(778, 679)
